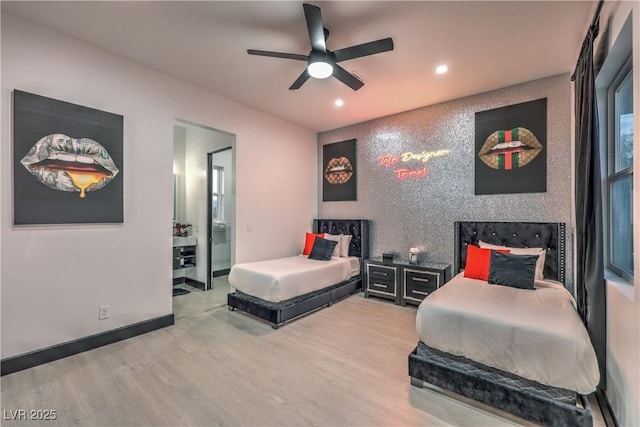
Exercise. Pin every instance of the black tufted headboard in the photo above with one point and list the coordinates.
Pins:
(358, 228)
(548, 235)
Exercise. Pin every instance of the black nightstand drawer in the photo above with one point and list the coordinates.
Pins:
(381, 274)
(416, 294)
(424, 281)
(381, 286)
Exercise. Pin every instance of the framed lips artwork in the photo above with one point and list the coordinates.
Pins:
(68, 162)
(511, 149)
(339, 171)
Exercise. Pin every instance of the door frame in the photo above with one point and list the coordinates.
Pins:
(210, 165)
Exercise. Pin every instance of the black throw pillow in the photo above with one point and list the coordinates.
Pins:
(322, 249)
(517, 271)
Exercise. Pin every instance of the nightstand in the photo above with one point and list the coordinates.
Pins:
(381, 280)
(403, 282)
(419, 280)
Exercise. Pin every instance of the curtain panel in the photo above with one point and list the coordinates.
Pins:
(590, 283)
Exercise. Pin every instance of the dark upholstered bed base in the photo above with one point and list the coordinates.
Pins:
(548, 406)
(279, 313)
(508, 392)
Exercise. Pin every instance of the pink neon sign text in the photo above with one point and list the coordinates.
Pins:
(388, 160)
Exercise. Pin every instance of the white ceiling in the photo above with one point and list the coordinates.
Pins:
(487, 45)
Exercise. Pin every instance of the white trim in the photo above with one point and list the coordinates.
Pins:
(623, 285)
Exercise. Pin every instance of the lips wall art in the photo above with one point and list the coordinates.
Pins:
(510, 146)
(339, 172)
(68, 162)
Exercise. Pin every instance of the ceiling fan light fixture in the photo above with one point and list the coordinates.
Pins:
(322, 62)
(320, 69)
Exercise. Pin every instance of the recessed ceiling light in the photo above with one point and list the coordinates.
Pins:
(339, 103)
(441, 69)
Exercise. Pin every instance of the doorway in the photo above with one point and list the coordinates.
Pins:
(221, 207)
(203, 158)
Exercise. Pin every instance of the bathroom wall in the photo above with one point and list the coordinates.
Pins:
(420, 211)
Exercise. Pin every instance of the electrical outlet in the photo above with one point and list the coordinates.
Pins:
(249, 227)
(103, 312)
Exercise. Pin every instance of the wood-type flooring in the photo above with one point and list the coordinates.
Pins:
(345, 365)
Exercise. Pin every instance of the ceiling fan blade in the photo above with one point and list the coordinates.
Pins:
(314, 24)
(300, 80)
(278, 54)
(365, 49)
(346, 77)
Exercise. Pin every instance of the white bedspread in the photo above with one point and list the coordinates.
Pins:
(284, 278)
(534, 334)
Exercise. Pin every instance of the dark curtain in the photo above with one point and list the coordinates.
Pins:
(590, 284)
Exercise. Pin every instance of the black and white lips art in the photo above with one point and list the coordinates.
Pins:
(68, 164)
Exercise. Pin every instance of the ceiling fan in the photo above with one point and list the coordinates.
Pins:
(321, 62)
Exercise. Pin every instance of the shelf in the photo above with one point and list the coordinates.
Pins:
(184, 257)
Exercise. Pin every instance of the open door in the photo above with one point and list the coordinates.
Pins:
(221, 209)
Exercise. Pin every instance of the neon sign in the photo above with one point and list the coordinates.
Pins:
(402, 173)
(388, 160)
(410, 173)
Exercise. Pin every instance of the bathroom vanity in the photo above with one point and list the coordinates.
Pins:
(185, 260)
(184, 252)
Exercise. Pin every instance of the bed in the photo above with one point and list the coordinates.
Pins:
(281, 290)
(490, 354)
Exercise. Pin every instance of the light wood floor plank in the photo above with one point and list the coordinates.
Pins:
(345, 365)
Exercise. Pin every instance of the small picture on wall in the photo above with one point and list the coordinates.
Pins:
(68, 162)
(511, 149)
(339, 171)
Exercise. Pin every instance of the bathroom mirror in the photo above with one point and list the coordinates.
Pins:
(175, 197)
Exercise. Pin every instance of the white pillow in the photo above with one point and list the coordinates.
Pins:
(539, 274)
(345, 243)
(336, 238)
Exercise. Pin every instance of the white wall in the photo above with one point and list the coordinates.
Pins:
(53, 278)
(623, 299)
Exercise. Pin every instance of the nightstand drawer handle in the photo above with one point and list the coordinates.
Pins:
(380, 273)
(421, 293)
(418, 279)
(378, 285)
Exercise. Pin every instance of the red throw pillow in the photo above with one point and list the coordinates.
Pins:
(310, 238)
(478, 262)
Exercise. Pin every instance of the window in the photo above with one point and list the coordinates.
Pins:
(217, 196)
(620, 173)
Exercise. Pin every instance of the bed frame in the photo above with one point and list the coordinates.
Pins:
(549, 406)
(279, 313)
